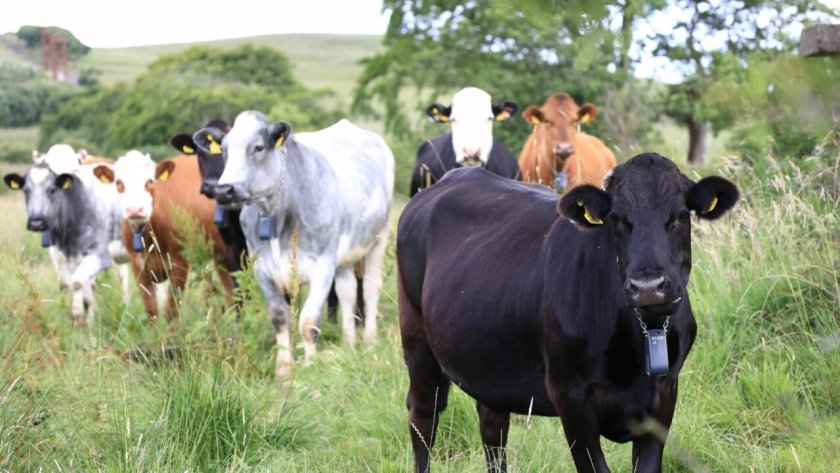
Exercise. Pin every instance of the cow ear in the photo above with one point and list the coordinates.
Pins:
(64, 181)
(712, 197)
(280, 131)
(438, 113)
(164, 170)
(14, 181)
(587, 113)
(183, 143)
(104, 173)
(586, 206)
(209, 140)
(504, 110)
(533, 115)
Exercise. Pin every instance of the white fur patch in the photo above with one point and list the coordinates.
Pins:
(38, 175)
(472, 124)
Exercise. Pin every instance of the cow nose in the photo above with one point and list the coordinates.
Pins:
(136, 212)
(225, 194)
(472, 152)
(36, 224)
(208, 188)
(645, 292)
(564, 150)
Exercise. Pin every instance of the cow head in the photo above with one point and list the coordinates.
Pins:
(472, 115)
(208, 150)
(40, 187)
(254, 156)
(134, 175)
(556, 124)
(646, 204)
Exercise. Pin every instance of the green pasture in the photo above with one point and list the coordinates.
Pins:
(759, 392)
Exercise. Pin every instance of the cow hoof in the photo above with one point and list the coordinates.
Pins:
(370, 338)
(283, 365)
(350, 339)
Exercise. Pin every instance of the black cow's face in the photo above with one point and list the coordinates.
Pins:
(211, 163)
(646, 205)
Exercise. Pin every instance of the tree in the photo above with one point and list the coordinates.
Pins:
(31, 35)
(712, 41)
(521, 50)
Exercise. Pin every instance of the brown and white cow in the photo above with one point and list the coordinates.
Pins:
(149, 195)
(557, 154)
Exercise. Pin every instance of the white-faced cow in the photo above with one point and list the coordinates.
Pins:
(316, 204)
(149, 196)
(582, 315)
(469, 143)
(81, 218)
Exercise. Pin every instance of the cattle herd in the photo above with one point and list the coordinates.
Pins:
(563, 295)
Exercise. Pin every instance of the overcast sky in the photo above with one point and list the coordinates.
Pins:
(119, 23)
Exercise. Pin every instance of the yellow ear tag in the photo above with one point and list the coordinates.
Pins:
(586, 118)
(502, 116)
(215, 148)
(442, 118)
(188, 150)
(104, 179)
(588, 216)
(163, 176)
(279, 142)
(712, 205)
(14, 185)
(67, 184)
(536, 121)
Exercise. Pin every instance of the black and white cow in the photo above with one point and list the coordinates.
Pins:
(469, 143)
(574, 307)
(316, 204)
(82, 218)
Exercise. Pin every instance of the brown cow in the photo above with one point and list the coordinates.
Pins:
(558, 154)
(148, 194)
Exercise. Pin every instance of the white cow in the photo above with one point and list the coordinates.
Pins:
(316, 204)
(81, 216)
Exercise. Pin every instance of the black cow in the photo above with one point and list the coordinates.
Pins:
(531, 312)
(436, 157)
(470, 142)
(211, 165)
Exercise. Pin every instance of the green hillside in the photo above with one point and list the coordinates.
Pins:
(320, 60)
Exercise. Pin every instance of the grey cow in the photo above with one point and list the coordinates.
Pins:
(315, 204)
(82, 218)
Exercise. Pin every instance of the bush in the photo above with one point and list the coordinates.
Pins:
(31, 35)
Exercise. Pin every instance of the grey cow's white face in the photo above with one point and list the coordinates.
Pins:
(39, 189)
(252, 164)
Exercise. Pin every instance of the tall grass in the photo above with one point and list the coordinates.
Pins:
(759, 392)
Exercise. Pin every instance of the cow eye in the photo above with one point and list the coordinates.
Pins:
(623, 226)
(120, 186)
(149, 185)
(676, 221)
(258, 148)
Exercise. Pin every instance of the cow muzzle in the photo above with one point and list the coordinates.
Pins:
(225, 194)
(654, 294)
(36, 224)
(208, 188)
(564, 150)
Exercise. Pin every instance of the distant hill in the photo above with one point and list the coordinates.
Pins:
(320, 60)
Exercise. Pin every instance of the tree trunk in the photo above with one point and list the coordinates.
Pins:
(698, 141)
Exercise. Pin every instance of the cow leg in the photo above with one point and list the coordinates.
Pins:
(494, 427)
(146, 285)
(229, 283)
(345, 288)
(278, 309)
(648, 448)
(319, 288)
(373, 284)
(583, 438)
(82, 285)
(122, 274)
(60, 265)
(332, 304)
(359, 269)
(177, 281)
(428, 390)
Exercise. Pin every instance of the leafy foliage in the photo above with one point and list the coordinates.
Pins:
(180, 92)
